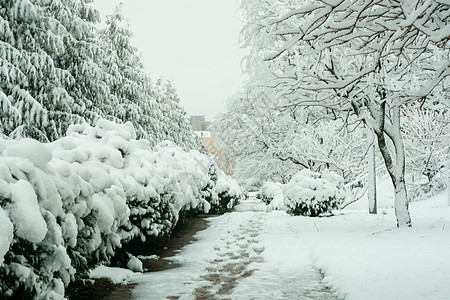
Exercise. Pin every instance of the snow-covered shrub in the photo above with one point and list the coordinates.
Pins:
(192, 183)
(94, 155)
(277, 203)
(68, 206)
(135, 264)
(422, 184)
(6, 234)
(37, 262)
(269, 191)
(313, 194)
(150, 179)
(228, 191)
(161, 185)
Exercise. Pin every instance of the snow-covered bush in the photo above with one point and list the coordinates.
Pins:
(228, 191)
(277, 203)
(313, 194)
(37, 261)
(269, 191)
(190, 176)
(68, 206)
(135, 264)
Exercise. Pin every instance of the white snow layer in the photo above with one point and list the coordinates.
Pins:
(32, 150)
(116, 275)
(25, 212)
(135, 264)
(6, 234)
(251, 254)
(93, 190)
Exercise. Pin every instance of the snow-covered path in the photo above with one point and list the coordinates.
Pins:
(253, 254)
(246, 254)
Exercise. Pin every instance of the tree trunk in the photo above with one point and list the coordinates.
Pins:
(372, 180)
(398, 181)
(396, 170)
(401, 205)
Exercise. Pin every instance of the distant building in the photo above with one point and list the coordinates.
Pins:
(223, 159)
(199, 123)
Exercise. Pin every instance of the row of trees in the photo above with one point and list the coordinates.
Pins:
(333, 70)
(57, 68)
(287, 139)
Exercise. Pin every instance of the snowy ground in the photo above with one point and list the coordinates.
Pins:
(252, 254)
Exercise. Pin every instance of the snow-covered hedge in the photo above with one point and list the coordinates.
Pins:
(312, 194)
(228, 191)
(269, 191)
(69, 205)
(277, 203)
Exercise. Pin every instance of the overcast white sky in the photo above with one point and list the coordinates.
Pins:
(194, 43)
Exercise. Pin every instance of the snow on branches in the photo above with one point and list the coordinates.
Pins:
(362, 57)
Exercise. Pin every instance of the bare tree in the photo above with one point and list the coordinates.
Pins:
(427, 146)
(363, 57)
(274, 143)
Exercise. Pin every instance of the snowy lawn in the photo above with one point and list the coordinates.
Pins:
(366, 257)
(251, 254)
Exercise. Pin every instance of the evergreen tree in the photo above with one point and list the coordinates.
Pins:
(126, 77)
(23, 63)
(39, 93)
(174, 125)
(58, 69)
(153, 109)
(83, 57)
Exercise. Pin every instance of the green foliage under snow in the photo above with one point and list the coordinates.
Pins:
(313, 194)
(69, 205)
